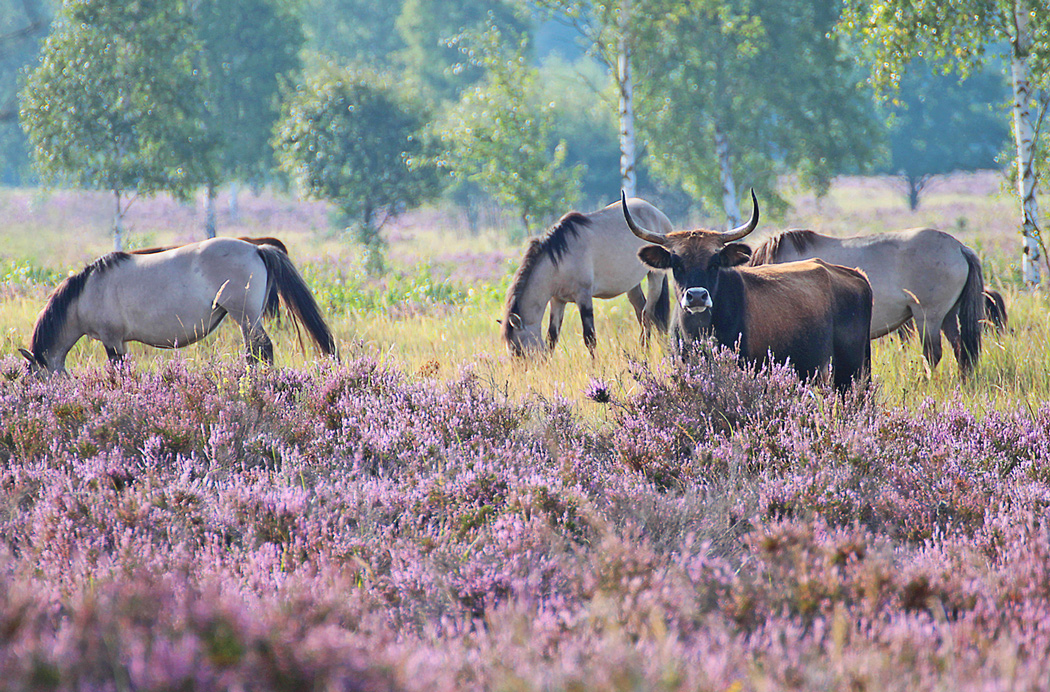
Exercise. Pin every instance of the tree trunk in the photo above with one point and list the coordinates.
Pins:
(628, 177)
(209, 212)
(118, 223)
(725, 168)
(1024, 138)
(235, 212)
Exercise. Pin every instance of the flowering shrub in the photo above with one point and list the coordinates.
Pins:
(349, 527)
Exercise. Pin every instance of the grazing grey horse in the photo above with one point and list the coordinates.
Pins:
(581, 257)
(172, 298)
(921, 274)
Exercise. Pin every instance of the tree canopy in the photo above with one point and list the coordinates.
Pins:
(350, 137)
(940, 124)
(117, 100)
(959, 36)
(500, 137)
(739, 91)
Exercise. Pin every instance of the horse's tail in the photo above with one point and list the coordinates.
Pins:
(284, 281)
(971, 313)
(995, 309)
(662, 309)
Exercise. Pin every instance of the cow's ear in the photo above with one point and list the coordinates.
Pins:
(735, 254)
(655, 256)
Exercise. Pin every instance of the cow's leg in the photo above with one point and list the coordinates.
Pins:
(554, 324)
(587, 318)
(657, 309)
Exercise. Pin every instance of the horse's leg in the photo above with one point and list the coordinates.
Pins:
(116, 352)
(951, 331)
(931, 339)
(257, 342)
(554, 324)
(587, 318)
(637, 298)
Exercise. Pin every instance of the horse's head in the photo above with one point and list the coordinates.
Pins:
(521, 339)
(38, 367)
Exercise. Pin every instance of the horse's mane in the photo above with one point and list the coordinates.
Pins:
(553, 246)
(767, 252)
(53, 317)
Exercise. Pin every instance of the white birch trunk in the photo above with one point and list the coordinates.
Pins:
(235, 210)
(628, 177)
(209, 212)
(1024, 138)
(118, 224)
(725, 169)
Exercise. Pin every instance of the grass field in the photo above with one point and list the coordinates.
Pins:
(432, 515)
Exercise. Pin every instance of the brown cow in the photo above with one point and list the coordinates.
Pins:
(811, 314)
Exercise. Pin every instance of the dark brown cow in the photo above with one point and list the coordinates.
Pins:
(811, 314)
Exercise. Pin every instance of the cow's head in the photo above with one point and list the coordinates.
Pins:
(693, 259)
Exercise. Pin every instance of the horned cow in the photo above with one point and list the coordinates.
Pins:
(814, 315)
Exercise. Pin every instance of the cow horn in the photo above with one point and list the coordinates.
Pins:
(635, 228)
(740, 231)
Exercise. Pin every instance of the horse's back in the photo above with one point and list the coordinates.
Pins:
(176, 296)
(613, 248)
(919, 269)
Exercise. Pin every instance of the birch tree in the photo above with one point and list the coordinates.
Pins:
(117, 102)
(739, 92)
(959, 35)
(606, 28)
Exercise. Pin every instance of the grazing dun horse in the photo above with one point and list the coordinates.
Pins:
(172, 298)
(581, 257)
(921, 274)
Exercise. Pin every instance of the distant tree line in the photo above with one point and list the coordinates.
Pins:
(540, 105)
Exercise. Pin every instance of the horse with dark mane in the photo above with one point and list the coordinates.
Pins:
(583, 256)
(175, 297)
(923, 275)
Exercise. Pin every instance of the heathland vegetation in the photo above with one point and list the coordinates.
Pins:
(431, 514)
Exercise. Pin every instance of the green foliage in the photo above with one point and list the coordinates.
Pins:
(343, 292)
(940, 124)
(500, 136)
(23, 26)
(248, 45)
(357, 31)
(349, 137)
(767, 74)
(584, 101)
(954, 36)
(428, 30)
(117, 99)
